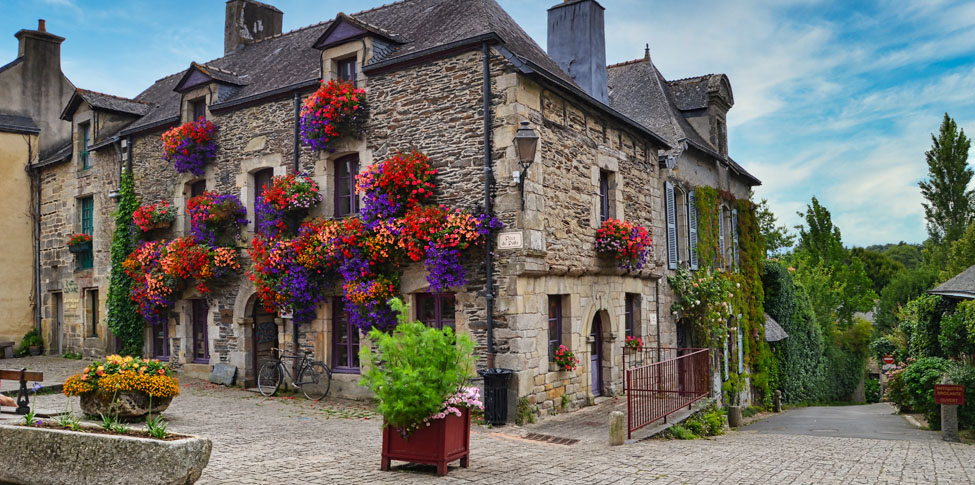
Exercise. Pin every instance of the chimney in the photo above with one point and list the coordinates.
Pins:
(247, 21)
(43, 88)
(577, 42)
(41, 25)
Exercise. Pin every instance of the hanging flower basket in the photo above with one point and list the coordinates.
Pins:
(285, 202)
(216, 219)
(337, 109)
(628, 243)
(150, 217)
(79, 243)
(190, 146)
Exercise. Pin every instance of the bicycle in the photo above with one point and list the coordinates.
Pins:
(314, 377)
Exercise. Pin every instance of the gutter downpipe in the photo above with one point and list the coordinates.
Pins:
(295, 149)
(36, 179)
(488, 209)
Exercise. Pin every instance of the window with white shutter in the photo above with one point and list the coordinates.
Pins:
(692, 229)
(671, 209)
(721, 257)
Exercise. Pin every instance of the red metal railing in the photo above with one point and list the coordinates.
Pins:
(658, 387)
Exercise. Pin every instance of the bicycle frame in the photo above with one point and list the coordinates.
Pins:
(300, 363)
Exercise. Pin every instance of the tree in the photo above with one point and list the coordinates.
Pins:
(880, 268)
(907, 254)
(123, 315)
(820, 239)
(950, 204)
(776, 237)
(960, 254)
(903, 288)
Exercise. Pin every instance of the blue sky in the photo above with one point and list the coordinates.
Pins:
(832, 99)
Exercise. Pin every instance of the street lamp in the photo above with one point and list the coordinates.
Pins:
(526, 143)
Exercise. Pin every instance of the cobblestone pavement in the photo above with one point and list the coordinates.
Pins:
(56, 369)
(280, 440)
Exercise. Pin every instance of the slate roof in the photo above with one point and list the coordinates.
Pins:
(961, 286)
(61, 154)
(773, 331)
(106, 102)
(18, 124)
(691, 93)
(638, 90)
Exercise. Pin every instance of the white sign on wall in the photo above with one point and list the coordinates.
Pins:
(511, 240)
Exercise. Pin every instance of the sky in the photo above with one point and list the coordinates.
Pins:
(836, 100)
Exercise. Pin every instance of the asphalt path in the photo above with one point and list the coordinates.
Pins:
(874, 421)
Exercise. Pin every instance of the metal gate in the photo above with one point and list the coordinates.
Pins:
(661, 381)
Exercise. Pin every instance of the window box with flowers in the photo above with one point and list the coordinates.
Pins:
(190, 146)
(627, 243)
(79, 243)
(632, 344)
(564, 360)
(284, 203)
(150, 217)
(337, 109)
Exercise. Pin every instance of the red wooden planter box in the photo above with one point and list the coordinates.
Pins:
(444, 441)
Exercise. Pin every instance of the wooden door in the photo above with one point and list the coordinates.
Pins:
(596, 356)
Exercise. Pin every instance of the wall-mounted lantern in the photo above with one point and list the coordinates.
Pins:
(526, 144)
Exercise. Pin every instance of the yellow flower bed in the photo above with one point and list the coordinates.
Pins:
(124, 374)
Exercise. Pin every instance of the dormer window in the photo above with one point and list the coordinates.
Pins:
(198, 109)
(345, 70)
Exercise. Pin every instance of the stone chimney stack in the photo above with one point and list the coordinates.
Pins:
(577, 42)
(247, 21)
(43, 90)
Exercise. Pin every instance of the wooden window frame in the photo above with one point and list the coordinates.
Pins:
(197, 104)
(439, 320)
(341, 63)
(630, 314)
(260, 177)
(198, 321)
(605, 207)
(340, 320)
(86, 208)
(345, 181)
(85, 138)
(555, 315)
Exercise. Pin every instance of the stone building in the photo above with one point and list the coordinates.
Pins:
(458, 93)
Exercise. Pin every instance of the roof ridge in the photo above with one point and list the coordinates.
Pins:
(390, 4)
(80, 90)
(626, 63)
(215, 68)
(691, 77)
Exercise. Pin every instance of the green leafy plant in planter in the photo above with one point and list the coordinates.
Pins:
(32, 343)
(417, 374)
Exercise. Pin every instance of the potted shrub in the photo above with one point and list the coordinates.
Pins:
(79, 243)
(153, 216)
(32, 343)
(418, 374)
(628, 243)
(126, 387)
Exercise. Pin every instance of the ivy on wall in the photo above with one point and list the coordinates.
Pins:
(123, 313)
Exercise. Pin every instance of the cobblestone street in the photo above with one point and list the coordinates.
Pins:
(282, 440)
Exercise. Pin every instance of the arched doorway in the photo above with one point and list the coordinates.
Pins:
(265, 337)
(596, 356)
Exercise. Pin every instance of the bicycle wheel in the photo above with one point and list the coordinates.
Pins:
(269, 378)
(315, 380)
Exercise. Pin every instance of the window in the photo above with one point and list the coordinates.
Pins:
(346, 201)
(680, 201)
(262, 179)
(724, 238)
(604, 196)
(436, 309)
(554, 325)
(201, 353)
(87, 205)
(345, 340)
(671, 209)
(631, 314)
(346, 70)
(198, 188)
(198, 109)
(83, 139)
(160, 341)
(92, 305)
(692, 230)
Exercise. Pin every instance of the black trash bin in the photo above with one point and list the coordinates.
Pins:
(496, 395)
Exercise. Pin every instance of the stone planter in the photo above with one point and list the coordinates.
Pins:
(444, 441)
(159, 225)
(54, 456)
(131, 405)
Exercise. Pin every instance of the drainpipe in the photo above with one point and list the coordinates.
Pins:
(488, 176)
(128, 154)
(36, 182)
(295, 149)
(656, 299)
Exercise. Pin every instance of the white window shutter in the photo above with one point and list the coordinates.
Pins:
(734, 234)
(671, 209)
(692, 228)
(720, 261)
(741, 351)
(726, 368)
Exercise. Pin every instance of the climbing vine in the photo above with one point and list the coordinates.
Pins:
(123, 313)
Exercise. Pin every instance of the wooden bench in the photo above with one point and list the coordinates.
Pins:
(22, 375)
(6, 349)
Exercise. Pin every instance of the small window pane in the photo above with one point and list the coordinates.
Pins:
(199, 109)
(554, 325)
(603, 196)
(346, 202)
(346, 70)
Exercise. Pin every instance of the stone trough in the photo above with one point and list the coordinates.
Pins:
(54, 456)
